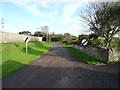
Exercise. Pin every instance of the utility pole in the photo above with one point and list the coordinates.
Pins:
(47, 37)
(2, 26)
(3, 30)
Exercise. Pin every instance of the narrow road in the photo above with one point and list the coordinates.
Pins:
(60, 69)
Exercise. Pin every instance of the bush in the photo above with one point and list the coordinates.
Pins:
(56, 39)
(44, 38)
(93, 35)
(76, 42)
(64, 41)
(81, 37)
(96, 42)
(91, 42)
(115, 43)
(100, 42)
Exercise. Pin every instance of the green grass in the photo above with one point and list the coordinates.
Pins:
(81, 55)
(14, 56)
(84, 57)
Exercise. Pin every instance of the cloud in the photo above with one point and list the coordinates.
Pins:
(18, 27)
(61, 17)
(78, 29)
(43, 4)
(70, 9)
(50, 0)
(69, 12)
(1, 10)
(32, 7)
(68, 21)
(81, 1)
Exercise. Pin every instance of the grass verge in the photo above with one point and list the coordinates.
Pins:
(14, 56)
(81, 55)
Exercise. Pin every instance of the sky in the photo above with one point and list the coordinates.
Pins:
(62, 16)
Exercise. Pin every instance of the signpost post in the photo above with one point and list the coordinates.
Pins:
(26, 48)
(26, 39)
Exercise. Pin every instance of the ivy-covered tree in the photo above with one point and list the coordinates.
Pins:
(104, 19)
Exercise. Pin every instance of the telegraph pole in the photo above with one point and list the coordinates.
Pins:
(2, 26)
(3, 30)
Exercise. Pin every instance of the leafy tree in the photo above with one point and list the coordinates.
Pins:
(57, 37)
(93, 36)
(74, 38)
(25, 32)
(104, 19)
(83, 36)
(67, 37)
(38, 33)
(116, 43)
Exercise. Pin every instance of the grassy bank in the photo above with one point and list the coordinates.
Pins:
(81, 55)
(14, 56)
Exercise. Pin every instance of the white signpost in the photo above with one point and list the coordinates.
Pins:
(26, 39)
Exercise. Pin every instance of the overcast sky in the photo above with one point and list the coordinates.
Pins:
(62, 16)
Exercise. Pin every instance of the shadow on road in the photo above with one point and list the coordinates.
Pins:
(38, 76)
(60, 69)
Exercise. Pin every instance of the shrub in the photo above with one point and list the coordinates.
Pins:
(76, 42)
(100, 42)
(55, 39)
(115, 43)
(96, 42)
(44, 38)
(64, 41)
(93, 35)
(83, 36)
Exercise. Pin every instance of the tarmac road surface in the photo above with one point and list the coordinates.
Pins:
(60, 69)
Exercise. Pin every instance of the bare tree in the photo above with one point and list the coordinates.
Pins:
(45, 30)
